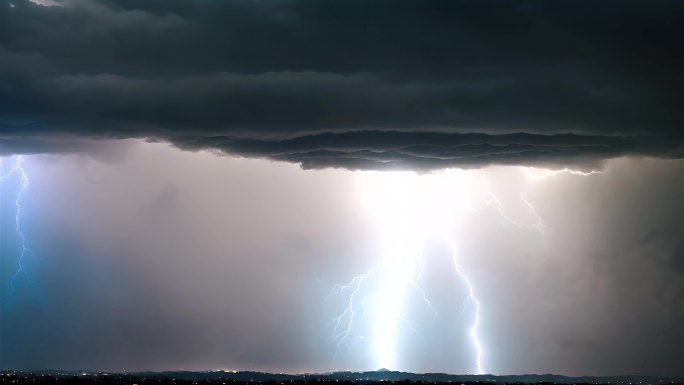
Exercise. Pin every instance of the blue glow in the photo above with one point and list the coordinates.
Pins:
(23, 180)
(379, 295)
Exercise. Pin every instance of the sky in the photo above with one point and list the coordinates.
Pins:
(305, 186)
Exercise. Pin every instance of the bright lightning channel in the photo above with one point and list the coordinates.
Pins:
(396, 279)
(18, 169)
(541, 173)
(476, 322)
(409, 209)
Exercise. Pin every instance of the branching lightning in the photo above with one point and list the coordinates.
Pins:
(476, 321)
(493, 200)
(409, 209)
(343, 323)
(381, 285)
(537, 224)
(541, 174)
(407, 216)
(18, 169)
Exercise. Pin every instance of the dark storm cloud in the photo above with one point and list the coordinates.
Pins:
(354, 84)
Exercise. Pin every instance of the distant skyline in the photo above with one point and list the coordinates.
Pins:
(305, 186)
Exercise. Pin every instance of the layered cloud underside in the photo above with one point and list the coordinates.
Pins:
(354, 84)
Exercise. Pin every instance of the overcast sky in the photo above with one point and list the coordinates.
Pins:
(203, 173)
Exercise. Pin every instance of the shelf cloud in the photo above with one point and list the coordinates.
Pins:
(360, 85)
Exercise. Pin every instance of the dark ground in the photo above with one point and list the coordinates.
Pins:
(341, 378)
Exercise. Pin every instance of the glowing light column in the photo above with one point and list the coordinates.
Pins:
(408, 209)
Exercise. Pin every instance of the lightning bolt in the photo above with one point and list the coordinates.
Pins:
(17, 168)
(536, 175)
(362, 289)
(541, 174)
(470, 297)
(408, 217)
(404, 206)
(343, 323)
(537, 224)
(494, 201)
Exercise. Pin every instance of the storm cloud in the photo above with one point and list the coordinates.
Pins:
(352, 84)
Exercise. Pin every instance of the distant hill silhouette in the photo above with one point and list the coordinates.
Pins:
(380, 375)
